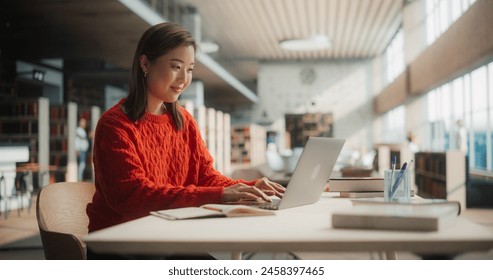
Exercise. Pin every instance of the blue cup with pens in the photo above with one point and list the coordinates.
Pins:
(397, 186)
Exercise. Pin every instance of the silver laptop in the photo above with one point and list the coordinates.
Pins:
(311, 174)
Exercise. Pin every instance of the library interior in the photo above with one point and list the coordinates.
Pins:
(399, 80)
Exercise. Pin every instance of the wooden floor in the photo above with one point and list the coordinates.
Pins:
(19, 238)
(19, 235)
(18, 225)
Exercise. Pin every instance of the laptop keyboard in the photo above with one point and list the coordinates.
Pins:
(274, 205)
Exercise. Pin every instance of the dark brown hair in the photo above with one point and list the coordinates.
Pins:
(155, 42)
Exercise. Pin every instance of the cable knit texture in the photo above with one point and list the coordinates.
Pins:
(149, 165)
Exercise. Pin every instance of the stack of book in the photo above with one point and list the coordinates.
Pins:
(417, 215)
(357, 187)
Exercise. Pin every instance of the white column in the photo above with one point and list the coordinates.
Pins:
(71, 175)
(211, 133)
(95, 115)
(227, 144)
(201, 118)
(43, 141)
(220, 141)
(188, 105)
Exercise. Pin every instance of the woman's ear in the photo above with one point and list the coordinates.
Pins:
(144, 63)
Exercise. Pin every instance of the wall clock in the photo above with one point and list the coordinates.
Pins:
(308, 75)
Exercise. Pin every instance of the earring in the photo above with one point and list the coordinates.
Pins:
(145, 74)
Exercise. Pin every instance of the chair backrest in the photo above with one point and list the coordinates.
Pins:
(62, 218)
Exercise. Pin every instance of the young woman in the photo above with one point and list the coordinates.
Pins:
(148, 152)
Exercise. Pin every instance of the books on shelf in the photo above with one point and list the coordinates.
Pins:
(211, 211)
(356, 184)
(441, 175)
(418, 215)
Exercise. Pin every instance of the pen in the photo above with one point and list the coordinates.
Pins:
(398, 180)
(409, 166)
(405, 172)
(394, 160)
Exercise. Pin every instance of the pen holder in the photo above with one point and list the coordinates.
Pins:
(397, 186)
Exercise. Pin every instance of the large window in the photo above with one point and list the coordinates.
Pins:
(394, 121)
(440, 14)
(394, 57)
(489, 139)
(479, 116)
(467, 100)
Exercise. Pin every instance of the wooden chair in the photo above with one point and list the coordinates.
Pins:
(62, 219)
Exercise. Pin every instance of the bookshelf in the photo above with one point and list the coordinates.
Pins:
(248, 145)
(25, 121)
(441, 175)
(385, 153)
(302, 126)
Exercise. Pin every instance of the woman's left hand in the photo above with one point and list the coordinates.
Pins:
(270, 188)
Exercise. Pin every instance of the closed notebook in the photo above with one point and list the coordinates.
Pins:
(364, 194)
(211, 211)
(396, 217)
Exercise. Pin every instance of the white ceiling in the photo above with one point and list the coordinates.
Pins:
(248, 32)
(251, 30)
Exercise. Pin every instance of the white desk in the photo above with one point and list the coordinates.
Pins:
(306, 229)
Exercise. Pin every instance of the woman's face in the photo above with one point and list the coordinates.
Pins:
(170, 74)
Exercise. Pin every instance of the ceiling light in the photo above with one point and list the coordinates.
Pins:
(208, 47)
(38, 75)
(314, 43)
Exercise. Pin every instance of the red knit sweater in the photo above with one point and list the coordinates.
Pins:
(149, 165)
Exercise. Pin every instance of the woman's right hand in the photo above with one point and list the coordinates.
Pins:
(243, 192)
